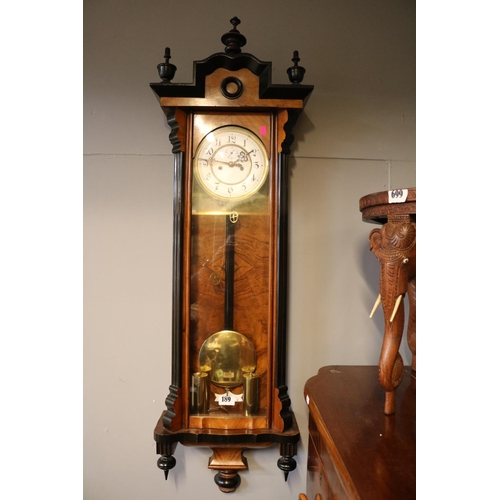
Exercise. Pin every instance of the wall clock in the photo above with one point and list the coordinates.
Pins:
(231, 132)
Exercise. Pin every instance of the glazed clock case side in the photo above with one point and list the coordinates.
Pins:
(247, 267)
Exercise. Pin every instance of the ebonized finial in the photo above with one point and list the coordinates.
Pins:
(166, 70)
(165, 463)
(233, 40)
(296, 72)
(287, 464)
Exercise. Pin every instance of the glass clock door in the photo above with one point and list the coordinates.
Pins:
(230, 269)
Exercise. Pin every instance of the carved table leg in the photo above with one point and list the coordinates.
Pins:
(411, 334)
(394, 245)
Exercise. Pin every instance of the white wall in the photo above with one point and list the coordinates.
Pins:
(356, 136)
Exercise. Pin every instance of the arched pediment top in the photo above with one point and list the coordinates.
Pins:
(236, 62)
(232, 60)
(205, 67)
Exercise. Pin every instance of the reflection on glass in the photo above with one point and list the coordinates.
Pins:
(199, 392)
(226, 356)
(251, 393)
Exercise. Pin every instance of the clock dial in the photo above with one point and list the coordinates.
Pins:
(231, 163)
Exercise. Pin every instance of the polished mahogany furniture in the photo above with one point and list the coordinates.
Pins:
(355, 451)
(395, 246)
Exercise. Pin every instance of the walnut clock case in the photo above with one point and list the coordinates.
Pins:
(231, 132)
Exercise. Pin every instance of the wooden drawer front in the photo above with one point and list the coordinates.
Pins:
(318, 487)
(331, 474)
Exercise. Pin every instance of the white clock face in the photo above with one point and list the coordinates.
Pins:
(231, 163)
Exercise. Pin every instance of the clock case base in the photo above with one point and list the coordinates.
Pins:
(227, 447)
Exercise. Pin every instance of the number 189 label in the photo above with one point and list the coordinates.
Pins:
(228, 399)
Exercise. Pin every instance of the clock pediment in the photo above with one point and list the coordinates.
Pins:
(249, 71)
(232, 63)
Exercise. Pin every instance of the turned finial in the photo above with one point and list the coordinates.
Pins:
(296, 72)
(166, 70)
(233, 40)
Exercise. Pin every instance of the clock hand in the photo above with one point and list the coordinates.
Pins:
(243, 156)
(229, 163)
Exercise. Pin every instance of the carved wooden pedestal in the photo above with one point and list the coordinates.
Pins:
(394, 245)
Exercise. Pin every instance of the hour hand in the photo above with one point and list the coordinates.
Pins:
(229, 163)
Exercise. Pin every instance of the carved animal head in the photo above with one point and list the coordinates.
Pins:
(394, 245)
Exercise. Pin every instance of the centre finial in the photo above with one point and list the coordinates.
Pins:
(233, 40)
(235, 22)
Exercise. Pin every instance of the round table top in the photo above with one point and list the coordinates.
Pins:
(376, 207)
